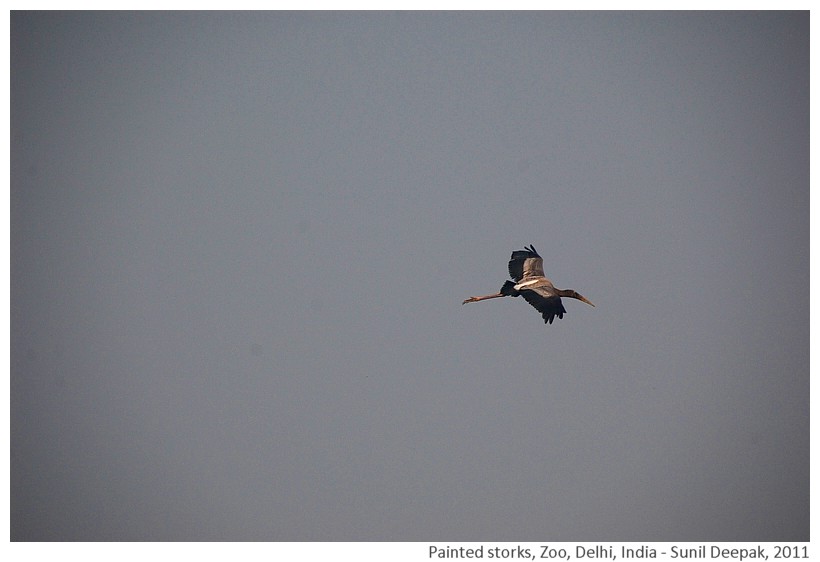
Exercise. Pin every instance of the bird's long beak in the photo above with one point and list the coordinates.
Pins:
(586, 300)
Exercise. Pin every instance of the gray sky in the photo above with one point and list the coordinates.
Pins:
(240, 242)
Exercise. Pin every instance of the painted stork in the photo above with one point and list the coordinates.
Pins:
(527, 271)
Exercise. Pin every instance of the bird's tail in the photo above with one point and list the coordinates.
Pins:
(508, 290)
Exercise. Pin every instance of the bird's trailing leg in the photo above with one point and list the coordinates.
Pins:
(485, 297)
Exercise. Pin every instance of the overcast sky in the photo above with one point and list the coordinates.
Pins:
(240, 242)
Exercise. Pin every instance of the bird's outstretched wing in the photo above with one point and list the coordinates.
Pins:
(545, 302)
(526, 263)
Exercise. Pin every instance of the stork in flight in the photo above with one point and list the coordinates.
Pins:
(527, 271)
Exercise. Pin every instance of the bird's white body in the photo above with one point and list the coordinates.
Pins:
(531, 283)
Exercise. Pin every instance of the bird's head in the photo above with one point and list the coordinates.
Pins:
(580, 297)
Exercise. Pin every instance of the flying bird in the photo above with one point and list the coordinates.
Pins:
(527, 271)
